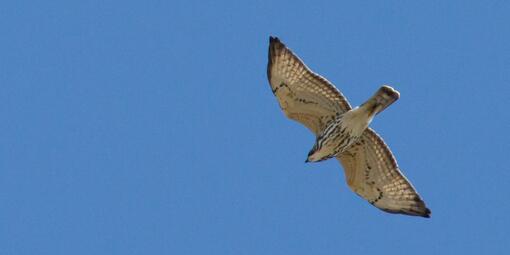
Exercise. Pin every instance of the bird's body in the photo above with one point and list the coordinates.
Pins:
(342, 132)
(348, 127)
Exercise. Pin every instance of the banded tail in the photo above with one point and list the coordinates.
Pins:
(383, 98)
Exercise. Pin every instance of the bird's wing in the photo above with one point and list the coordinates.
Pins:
(303, 95)
(372, 172)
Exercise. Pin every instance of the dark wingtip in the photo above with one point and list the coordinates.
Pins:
(427, 213)
(421, 211)
(275, 46)
(275, 43)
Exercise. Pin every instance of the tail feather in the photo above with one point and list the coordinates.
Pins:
(383, 98)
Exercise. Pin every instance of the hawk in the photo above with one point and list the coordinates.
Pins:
(371, 170)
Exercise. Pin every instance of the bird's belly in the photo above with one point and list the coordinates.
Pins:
(337, 144)
(339, 135)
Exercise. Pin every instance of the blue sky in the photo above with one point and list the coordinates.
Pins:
(148, 127)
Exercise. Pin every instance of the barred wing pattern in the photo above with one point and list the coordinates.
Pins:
(304, 96)
(372, 172)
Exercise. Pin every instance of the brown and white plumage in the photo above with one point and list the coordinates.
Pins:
(371, 170)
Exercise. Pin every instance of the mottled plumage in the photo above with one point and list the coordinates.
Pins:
(348, 127)
(342, 132)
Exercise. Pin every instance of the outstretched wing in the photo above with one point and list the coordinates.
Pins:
(372, 172)
(303, 95)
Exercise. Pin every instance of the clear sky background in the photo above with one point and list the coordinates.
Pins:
(148, 127)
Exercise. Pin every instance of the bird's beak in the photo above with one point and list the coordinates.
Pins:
(306, 161)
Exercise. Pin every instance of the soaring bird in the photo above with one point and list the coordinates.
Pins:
(371, 170)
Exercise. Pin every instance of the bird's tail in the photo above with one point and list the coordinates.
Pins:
(383, 98)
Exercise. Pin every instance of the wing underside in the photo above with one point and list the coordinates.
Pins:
(303, 95)
(372, 172)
